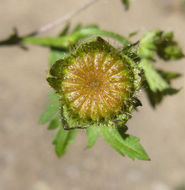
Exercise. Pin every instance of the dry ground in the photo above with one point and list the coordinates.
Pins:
(27, 158)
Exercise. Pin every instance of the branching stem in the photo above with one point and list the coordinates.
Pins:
(63, 18)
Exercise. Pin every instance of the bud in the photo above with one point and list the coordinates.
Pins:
(97, 85)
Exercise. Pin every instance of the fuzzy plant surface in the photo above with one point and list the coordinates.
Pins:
(94, 85)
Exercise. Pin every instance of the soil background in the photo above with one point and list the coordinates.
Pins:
(27, 157)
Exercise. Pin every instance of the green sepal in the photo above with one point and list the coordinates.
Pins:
(94, 45)
(57, 68)
(54, 83)
(131, 50)
(72, 121)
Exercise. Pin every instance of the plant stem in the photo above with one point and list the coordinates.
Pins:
(63, 18)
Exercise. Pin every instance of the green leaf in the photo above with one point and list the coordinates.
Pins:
(160, 43)
(169, 76)
(124, 144)
(181, 186)
(154, 79)
(126, 3)
(63, 139)
(147, 45)
(65, 30)
(59, 53)
(132, 34)
(54, 123)
(158, 82)
(51, 110)
(156, 98)
(54, 83)
(168, 48)
(77, 28)
(13, 39)
(92, 134)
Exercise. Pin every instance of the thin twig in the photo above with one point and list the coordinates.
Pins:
(63, 18)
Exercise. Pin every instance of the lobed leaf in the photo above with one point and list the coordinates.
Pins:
(13, 39)
(54, 123)
(63, 139)
(156, 97)
(168, 48)
(160, 43)
(169, 76)
(124, 144)
(92, 134)
(51, 110)
(158, 82)
(153, 78)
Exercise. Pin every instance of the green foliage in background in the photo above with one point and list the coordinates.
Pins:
(126, 3)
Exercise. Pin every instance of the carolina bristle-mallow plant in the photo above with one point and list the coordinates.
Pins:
(95, 85)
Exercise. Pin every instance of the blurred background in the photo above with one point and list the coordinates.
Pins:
(27, 157)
